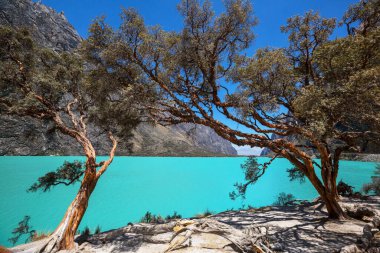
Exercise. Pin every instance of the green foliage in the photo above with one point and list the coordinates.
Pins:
(86, 232)
(284, 199)
(98, 230)
(42, 83)
(67, 174)
(23, 229)
(152, 218)
(174, 216)
(264, 79)
(205, 214)
(304, 91)
(306, 33)
(121, 90)
(318, 94)
(374, 186)
(252, 172)
(364, 14)
(296, 174)
(28, 71)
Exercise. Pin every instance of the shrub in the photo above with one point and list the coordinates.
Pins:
(345, 189)
(206, 213)
(98, 230)
(152, 218)
(283, 199)
(174, 216)
(86, 232)
(374, 185)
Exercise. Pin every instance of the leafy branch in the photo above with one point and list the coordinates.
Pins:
(67, 174)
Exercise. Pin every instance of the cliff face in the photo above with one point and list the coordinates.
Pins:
(49, 28)
(27, 136)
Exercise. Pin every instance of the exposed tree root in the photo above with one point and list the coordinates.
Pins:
(251, 240)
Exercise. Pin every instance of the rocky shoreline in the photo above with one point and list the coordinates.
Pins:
(293, 229)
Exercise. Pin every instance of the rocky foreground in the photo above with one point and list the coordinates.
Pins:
(296, 228)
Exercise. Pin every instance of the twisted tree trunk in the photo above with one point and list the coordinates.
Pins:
(327, 191)
(63, 236)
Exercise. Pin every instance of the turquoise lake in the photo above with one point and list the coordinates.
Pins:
(134, 185)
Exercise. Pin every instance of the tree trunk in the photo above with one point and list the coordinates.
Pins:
(63, 236)
(335, 189)
(327, 192)
(334, 210)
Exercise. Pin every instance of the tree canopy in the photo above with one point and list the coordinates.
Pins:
(318, 95)
(84, 95)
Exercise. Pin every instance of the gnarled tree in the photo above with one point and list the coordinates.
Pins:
(75, 92)
(305, 96)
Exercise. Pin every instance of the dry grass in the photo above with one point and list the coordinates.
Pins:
(204, 214)
(39, 236)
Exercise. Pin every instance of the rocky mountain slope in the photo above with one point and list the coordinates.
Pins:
(369, 153)
(26, 136)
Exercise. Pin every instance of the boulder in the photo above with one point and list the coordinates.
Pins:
(351, 249)
(361, 212)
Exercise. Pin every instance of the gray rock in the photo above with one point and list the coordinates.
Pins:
(350, 249)
(376, 222)
(361, 212)
(367, 233)
(277, 247)
(49, 28)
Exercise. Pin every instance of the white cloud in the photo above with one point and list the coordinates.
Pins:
(247, 150)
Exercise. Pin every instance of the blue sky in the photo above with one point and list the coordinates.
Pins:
(270, 13)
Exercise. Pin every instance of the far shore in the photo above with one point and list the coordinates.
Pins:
(345, 157)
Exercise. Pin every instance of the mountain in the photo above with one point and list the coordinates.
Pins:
(49, 28)
(369, 150)
(27, 136)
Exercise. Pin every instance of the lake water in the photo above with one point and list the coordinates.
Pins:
(134, 185)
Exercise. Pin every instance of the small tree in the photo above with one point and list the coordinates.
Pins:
(75, 92)
(315, 95)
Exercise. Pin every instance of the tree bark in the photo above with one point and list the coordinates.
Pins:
(334, 210)
(63, 237)
(328, 194)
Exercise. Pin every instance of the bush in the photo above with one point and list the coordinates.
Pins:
(284, 199)
(374, 186)
(206, 213)
(86, 232)
(152, 218)
(344, 189)
(174, 216)
(98, 230)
